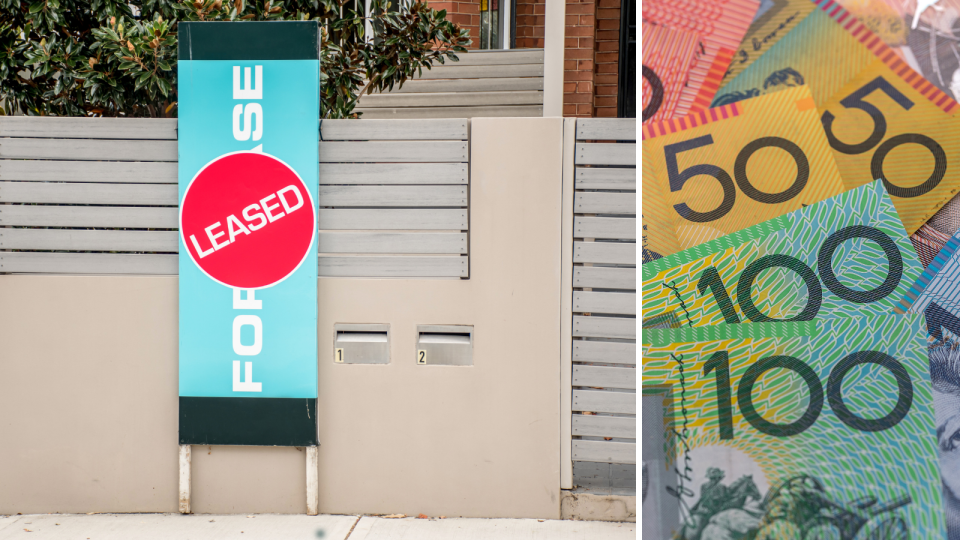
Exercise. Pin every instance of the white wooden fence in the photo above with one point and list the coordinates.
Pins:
(482, 83)
(603, 287)
(99, 196)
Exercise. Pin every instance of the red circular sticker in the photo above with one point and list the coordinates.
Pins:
(247, 220)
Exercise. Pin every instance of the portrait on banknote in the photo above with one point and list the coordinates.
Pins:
(780, 431)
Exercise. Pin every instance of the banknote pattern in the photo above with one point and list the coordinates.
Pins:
(883, 119)
(669, 55)
(721, 170)
(787, 428)
(928, 241)
(890, 123)
(801, 344)
(847, 255)
(657, 233)
(936, 295)
(826, 68)
(924, 34)
(935, 233)
(936, 292)
(775, 19)
(845, 47)
(720, 24)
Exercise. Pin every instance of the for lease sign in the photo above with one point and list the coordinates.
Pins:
(248, 182)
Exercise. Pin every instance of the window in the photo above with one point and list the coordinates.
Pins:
(490, 24)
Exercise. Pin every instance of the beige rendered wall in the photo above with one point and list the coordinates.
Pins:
(443, 440)
(88, 394)
(88, 378)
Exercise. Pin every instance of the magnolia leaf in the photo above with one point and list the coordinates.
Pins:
(114, 37)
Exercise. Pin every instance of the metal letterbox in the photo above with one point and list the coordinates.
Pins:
(362, 344)
(446, 345)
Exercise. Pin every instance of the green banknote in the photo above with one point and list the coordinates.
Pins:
(846, 255)
(807, 430)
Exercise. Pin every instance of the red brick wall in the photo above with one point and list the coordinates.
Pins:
(530, 23)
(591, 47)
(606, 58)
(466, 14)
(578, 58)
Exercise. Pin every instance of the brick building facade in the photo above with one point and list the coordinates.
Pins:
(591, 46)
(466, 14)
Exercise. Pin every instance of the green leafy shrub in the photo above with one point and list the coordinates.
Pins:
(118, 58)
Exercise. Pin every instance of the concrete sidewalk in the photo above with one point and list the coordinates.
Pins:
(294, 527)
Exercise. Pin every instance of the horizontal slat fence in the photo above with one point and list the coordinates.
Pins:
(359, 212)
(604, 377)
(99, 196)
(482, 83)
(88, 195)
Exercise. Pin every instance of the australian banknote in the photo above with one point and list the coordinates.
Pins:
(883, 119)
(720, 24)
(827, 55)
(890, 123)
(846, 255)
(936, 232)
(770, 431)
(774, 19)
(718, 171)
(668, 55)
(838, 56)
(924, 33)
(936, 295)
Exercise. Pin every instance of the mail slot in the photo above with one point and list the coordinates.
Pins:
(362, 344)
(445, 345)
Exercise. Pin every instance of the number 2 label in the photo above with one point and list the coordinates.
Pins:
(422, 357)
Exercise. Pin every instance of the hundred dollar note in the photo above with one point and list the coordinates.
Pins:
(847, 255)
(718, 171)
(820, 429)
(668, 55)
(720, 24)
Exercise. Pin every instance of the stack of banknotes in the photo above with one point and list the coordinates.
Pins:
(800, 292)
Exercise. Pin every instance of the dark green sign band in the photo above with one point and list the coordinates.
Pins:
(248, 421)
(281, 40)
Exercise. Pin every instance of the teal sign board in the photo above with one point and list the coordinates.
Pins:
(249, 95)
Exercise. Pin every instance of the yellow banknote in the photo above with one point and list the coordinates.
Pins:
(774, 20)
(824, 51)
(716, 172)
(658, 235)
(890, 123)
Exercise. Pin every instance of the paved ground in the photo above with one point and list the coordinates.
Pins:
(294, 527)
